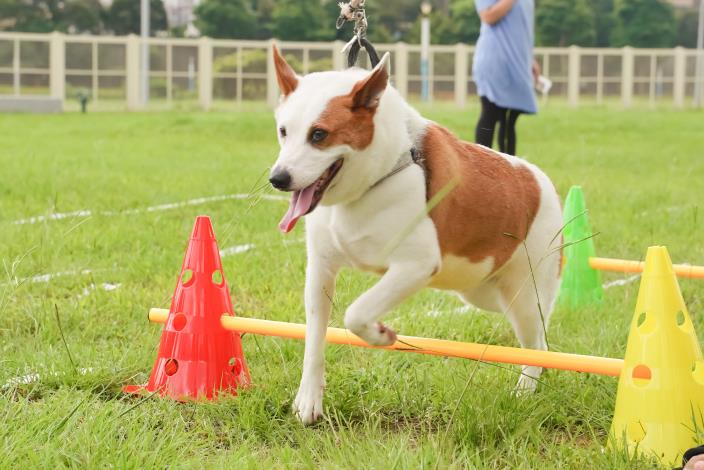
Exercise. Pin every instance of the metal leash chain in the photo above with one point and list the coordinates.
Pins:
(353, 11)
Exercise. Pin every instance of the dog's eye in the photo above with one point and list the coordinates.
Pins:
(318, 135)
(282, 131)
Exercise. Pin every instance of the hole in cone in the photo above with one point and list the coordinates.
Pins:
(698, 372)
(179, 322)
(217, 278)
(680, 318)
(187, 278)
(171, 367)
(641, 375)
(641, 319)
(635, 431)
(235, 366)
(646, 323)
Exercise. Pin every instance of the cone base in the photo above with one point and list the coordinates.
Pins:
(144, 390)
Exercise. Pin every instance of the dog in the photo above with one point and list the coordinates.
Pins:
(387, 191)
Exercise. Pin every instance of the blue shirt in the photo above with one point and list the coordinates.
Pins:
(504, 57)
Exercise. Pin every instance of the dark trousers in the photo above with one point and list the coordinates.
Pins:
(505, 117)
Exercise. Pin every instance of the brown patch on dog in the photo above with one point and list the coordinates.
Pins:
(349, 119)
(493, 198)
(288, 81)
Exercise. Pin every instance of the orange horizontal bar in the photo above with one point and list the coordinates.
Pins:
(629, 266)
(440, 347)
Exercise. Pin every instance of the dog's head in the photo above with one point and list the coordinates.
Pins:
(323, 120)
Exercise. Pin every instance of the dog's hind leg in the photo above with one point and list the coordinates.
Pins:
(529, 315)
(319, 291)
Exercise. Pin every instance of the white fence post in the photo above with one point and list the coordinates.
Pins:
(401, 69)
(205, 73)
(132, 57)
(461, 75)
(94, 78)
(57, 66)
(338, 58)
(573, 74)
(272, 87)
(680, 69)
(627, 77)
(16, 67)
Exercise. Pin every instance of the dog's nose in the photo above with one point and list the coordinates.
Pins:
(280, 179)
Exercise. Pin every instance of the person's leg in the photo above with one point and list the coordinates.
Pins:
(511, 118)
(503, 123)
(484, 133)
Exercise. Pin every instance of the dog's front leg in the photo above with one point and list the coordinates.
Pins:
(319, 291)
(401, 280)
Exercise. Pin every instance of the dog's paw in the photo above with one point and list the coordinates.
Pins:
(527, 382)
(308, 405)
(385, 335)
(376, 334)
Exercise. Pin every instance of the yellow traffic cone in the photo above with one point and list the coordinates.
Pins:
(660, 416)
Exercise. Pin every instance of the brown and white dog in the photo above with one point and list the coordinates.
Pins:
(346, 140)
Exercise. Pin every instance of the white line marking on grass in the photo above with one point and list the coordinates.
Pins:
(235, 250)
(106, 286)
(47, 277)
(32, 378)
(621, 282)
(160, 207)
(21, 380)
(58, 216)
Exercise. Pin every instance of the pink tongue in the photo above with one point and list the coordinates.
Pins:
(299, 205)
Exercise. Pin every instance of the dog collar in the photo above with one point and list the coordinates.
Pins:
(407, 159)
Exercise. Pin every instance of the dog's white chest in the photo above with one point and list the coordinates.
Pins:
(388, 222)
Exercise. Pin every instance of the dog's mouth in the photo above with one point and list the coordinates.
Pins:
(304, 201)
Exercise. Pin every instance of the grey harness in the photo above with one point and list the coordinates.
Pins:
(407, 159)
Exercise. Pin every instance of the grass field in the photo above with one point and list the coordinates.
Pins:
(643, 174)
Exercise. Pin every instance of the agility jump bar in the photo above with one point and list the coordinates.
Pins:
(438, 347)
(629, 266)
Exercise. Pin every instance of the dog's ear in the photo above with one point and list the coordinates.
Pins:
(288, 81)
(367, 92)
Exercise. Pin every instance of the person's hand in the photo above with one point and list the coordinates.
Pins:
(496, 12)
(695, 463)
(536, 73)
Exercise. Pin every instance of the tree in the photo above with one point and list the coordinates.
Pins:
(43, 16)
(458, 22)
(397, 17)
(123, 17)
(687, 24)
(26, 16)
(82, 16)
(264, 10)
(604, 21)
(226, 19)
(644, 23)
(466, 20)
(565, 23)
(301, 20)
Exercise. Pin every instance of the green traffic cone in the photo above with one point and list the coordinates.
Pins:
(581, 285)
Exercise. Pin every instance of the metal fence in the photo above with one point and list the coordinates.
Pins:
(211, 72)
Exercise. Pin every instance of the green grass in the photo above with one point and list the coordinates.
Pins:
(643, 174)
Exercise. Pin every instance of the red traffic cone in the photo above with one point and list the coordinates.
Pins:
(197, 357)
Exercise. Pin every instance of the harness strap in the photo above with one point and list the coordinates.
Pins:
(407, 159)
